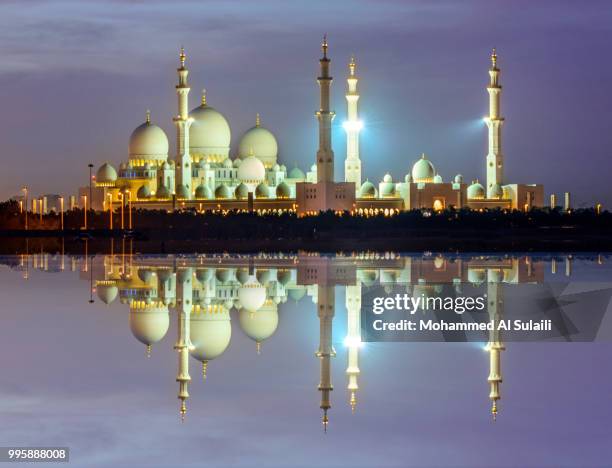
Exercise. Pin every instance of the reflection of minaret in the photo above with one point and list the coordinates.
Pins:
(495, 345)
(494, 121)
(326, 297)
(325, 154)
(352, 164)
(353, 340)
(183, 344)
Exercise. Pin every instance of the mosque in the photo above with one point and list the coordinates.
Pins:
(203, 175)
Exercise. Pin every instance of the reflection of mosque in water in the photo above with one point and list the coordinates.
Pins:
(202, 290)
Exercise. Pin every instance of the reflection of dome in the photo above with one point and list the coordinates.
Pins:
(423, 170)
(145, 274)
(262, 191)
(203, 192)
(107, 292)
(210, 334)
(242, 275)
(223, 275)
(149, 325)
(367, 277)
(367, 190)
(261, 143)
(475, 190)
(148, 142)
(143, 192)
(263, 276)
(252, 295)
(495, 276)
(261, 325)
(476, 276)
(209, 134)
(241, 192)
(296, 294)
(106, 174)
(283, 191)
(296, 173)
(223, 192)
(251, 170)
(283, 276)
(204, 274)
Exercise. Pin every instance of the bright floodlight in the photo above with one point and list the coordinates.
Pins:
(353, 125)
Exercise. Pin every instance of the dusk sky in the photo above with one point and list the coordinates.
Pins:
(76, 78)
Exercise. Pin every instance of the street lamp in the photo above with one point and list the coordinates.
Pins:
(25, 192)
(61, 200)
(85, 210)
(121, 197)
(90, 166)
(110, 210)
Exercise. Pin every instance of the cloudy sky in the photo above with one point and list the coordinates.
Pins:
(76, 77)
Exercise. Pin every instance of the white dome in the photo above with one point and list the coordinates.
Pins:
(261, 325)
(210, 334)
(106, 174)
(148, 142)
(497, 191)
(252, 295)
(475, 191)
(149, 325)
(387, 178)
(252, 171)
(261, 143)
(283, 191)
(209, 134)
(423, 170)
(437, 179)
(458, 179)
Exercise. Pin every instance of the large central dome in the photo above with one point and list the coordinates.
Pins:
(423, 170)
(209, 134)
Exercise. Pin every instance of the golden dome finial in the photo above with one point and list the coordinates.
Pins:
(203, 96)
(204, 369)
(149, 350)
(494, 58)
(183, 410)
(352, 65)
(257, 120)
(148, 116)
(258, 347)
(353, 402)
(182, 56)
(422, 155)
(494, 410)
(324, 45)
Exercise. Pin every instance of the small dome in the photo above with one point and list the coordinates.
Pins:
(148, 141)
(423, 170)
(367, 190)
(107, 292)
(203, 192)
(227, 164)
(237, 162)
(458, 179)
(106, 174)
(149, 325)
(387, 187)
(261, 325)
(296, 173)
(276, 168)
(437, 179)
(475, 191)
(283, 191)
(209, 134)
(252, 295)
(262, 191)
(210, 334)
(313, 168)
(251, 170)
(166, 166)
(283, 168)
(261, 143)
(182, 193)
(497, 191)
(162, 193)
(241, 192)
(408, 178)
(223, 192)
(143, 192)
(387, 178)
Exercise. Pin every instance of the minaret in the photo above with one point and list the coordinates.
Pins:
(495, 345)
(352, 164)
(353, 341)
(325, 154)
(494, 121)
(325, 302)
(183, 122)
(183, 344)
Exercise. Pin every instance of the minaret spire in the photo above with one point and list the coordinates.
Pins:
(325, 154)
(352, 163)
(183, 122)
(494, 121)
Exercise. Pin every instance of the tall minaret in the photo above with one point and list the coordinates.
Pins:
(325, 302)
(352, 164)
(325, 154)
(183, 343)
(353, 342)
(494, 121)
(495, 345)
(183, 122)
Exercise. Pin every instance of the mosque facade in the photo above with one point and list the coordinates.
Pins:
(203, 175)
